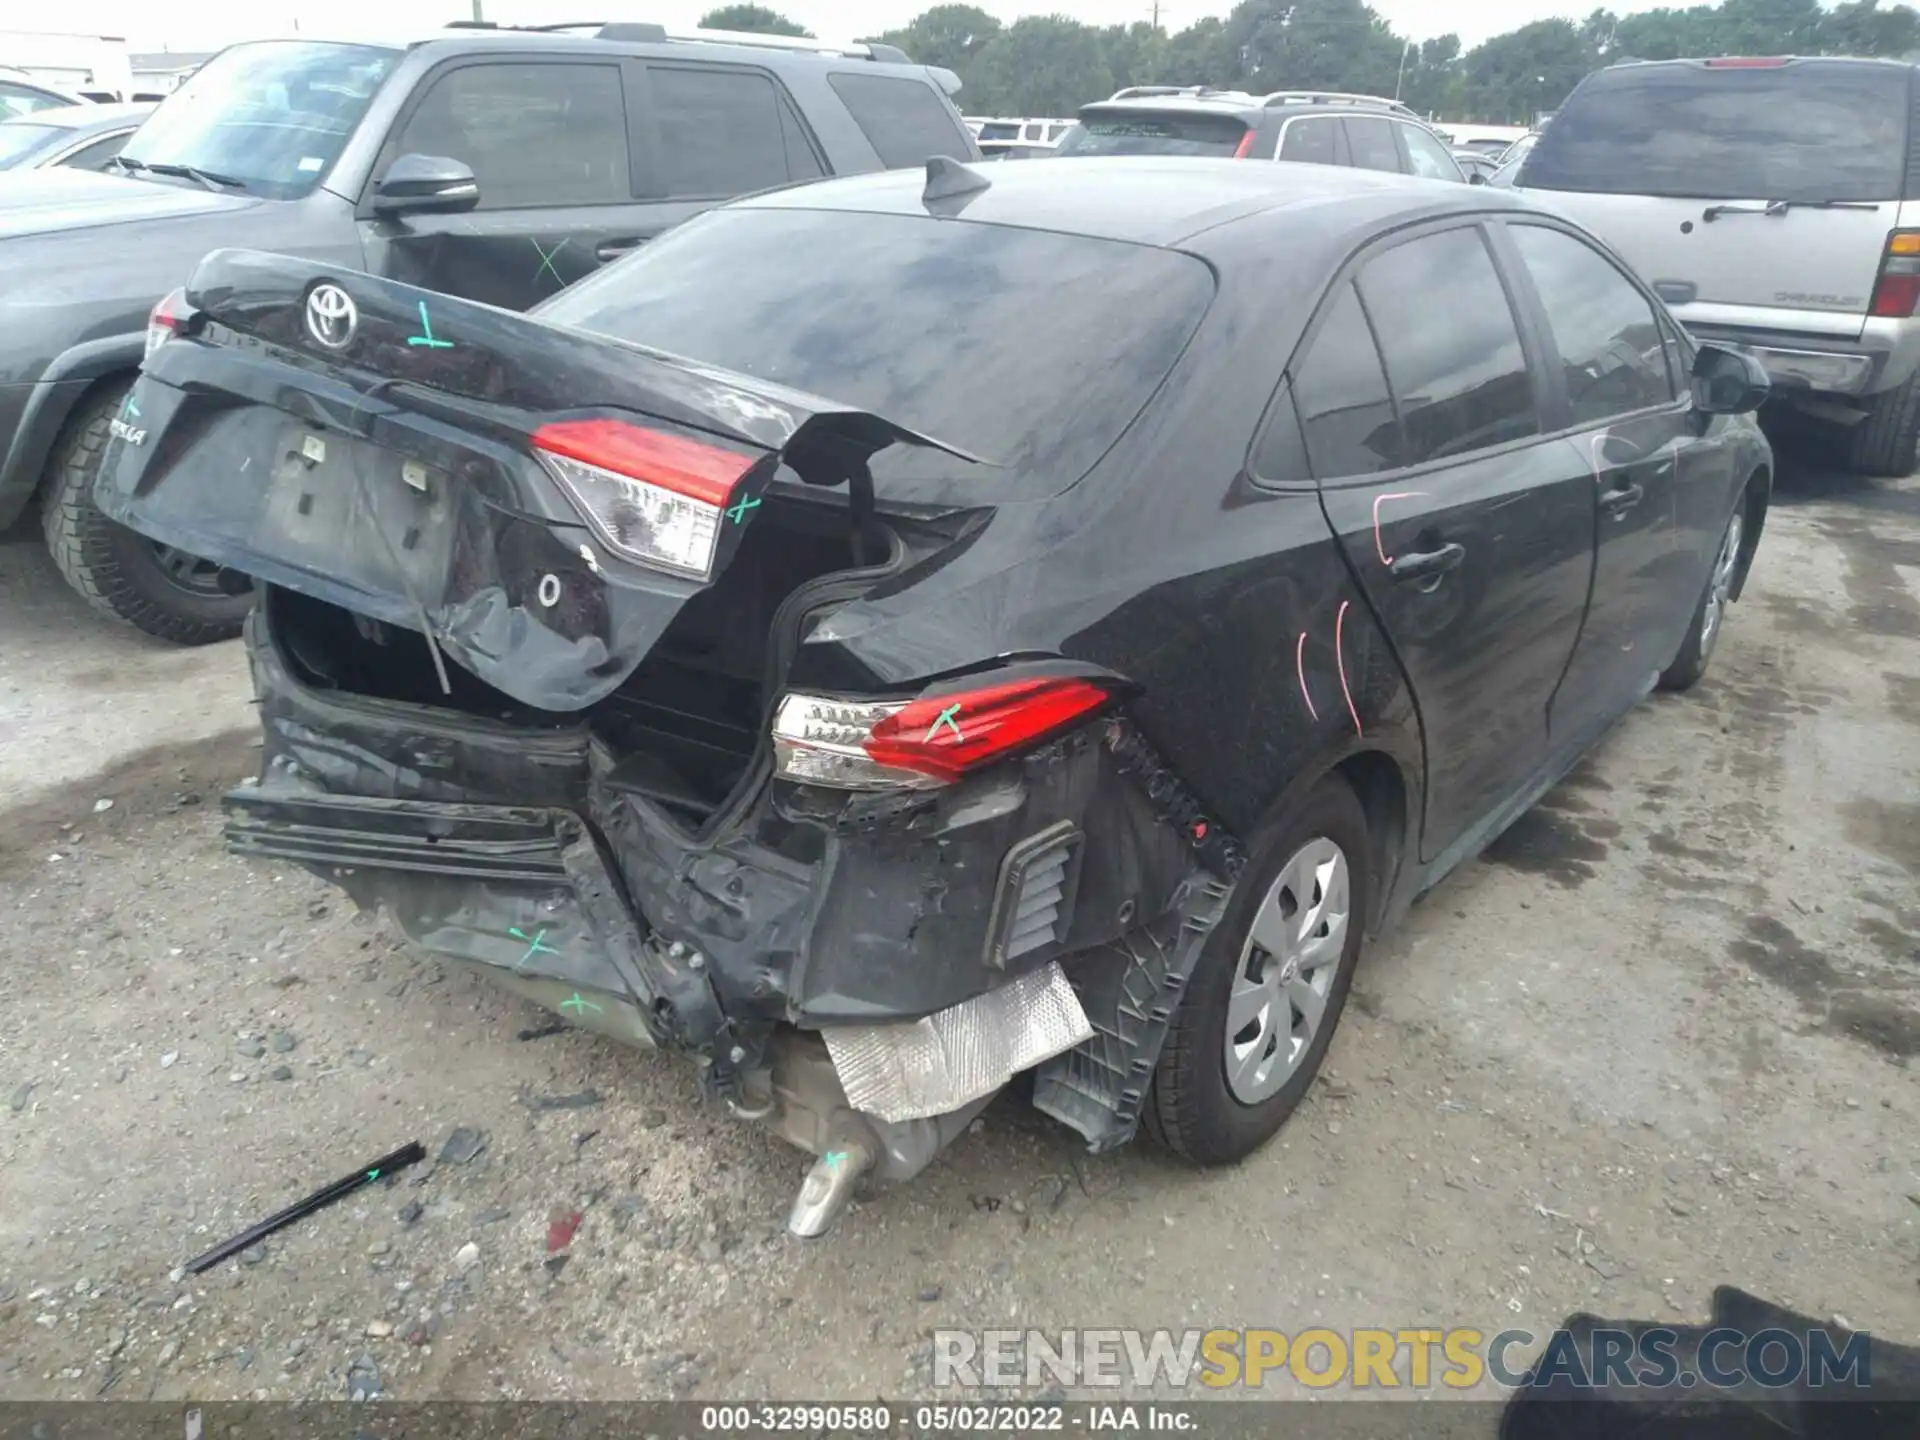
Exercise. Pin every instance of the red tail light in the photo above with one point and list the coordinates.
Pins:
(167, 319)
(1896, 294)
(652, 496)
(1245, 147)
(880, 745)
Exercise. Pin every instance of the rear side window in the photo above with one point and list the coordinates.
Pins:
(533, 134)
(1132, 134)
(1451, 347)
(1340, 391)
(1371, 141)
(724, 132)
(1031, 349)
(1311, 140)
(1611, 347)
(904, 120)
(1809, 130)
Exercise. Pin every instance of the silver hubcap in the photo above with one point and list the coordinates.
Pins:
(1286, 971)
(1721, 585)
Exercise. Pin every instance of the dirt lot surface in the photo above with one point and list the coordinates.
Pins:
(1661, 1039)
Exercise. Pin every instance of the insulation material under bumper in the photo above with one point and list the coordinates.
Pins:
(907, 1071)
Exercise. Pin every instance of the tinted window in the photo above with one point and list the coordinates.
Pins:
(1607, 332)
(1806, 131)
(1427, 155)
(1029, 348)
(1132, 134)
(1371, 142)
(92, 157)
(904, 120)
(722, 132)
(534, 134)
(1452, 352)
(272, 115)
(1341, 394)
(1311, 141)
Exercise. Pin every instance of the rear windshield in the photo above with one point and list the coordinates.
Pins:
(1132, 134)
(1804, 131)
(1029, 348)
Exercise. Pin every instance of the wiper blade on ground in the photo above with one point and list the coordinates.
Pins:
(1780, 207)
(212, 179)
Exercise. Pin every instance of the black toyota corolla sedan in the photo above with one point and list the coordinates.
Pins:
(900, 633)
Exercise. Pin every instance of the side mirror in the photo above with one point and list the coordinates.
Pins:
(419, 184)
(1728, 382)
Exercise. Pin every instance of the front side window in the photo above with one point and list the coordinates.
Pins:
(1371, 141)
(1608, 335)
(1311, 140)
(1451, 347)
(96, 155)
(1340, 391)
(1428, 157)
(532, 133)
(269, 118)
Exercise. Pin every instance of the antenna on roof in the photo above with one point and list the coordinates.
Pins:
(948, 179)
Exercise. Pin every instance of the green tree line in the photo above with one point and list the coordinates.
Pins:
(1050, 65)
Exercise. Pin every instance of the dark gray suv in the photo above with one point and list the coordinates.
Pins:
(1319, 127)
(492, 164)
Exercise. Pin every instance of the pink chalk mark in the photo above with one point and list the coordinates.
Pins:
(1300, 669)
(1340, 656)
(1379, 548)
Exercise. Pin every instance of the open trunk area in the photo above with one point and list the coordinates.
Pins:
(684, 727)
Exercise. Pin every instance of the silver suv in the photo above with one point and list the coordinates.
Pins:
(1773, 204)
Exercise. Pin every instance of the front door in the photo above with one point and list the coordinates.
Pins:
(549, 142)
(1627, 416)
(1472, 539)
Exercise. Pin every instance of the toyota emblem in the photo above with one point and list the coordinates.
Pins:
(332, 317)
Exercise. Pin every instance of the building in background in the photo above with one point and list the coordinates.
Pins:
(95, 67)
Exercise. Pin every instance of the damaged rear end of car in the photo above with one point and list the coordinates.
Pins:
(545, 672)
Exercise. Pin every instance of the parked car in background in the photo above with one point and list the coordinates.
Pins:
(999, 136)
(1487, 139)
(790, 634)
(1772, 203)
(1317, 127)
(83, 137)
(20, 94)
(500, 165)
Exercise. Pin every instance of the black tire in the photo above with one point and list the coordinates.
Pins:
(1884, 443)
(120, 573)
(1192, 1109)
(1697, 649)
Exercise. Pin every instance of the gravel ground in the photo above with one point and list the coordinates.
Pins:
(1659, 1040)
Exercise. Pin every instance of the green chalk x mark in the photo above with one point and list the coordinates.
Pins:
(738, 513)
(946, 718)
(546, 262)
(536, 943)
(373, 1174)
(132, 409)
(426, 336)
(579, 1006)
(835, 1159)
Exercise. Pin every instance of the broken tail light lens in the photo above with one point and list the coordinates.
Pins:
(653, 497)
(1896, 294)
(935, 740)
(167, 319)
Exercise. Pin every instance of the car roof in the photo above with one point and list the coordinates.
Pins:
(1766, 62)
(1148, 100)
(1150, 199)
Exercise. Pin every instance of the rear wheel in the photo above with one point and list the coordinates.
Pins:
(165, 592)
(1710, 615)
(1261, 1008)
(1884, 443)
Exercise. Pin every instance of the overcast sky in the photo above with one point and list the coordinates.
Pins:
(206, 24)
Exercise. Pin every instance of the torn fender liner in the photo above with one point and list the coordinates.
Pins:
(936, 1064)
(395, 473)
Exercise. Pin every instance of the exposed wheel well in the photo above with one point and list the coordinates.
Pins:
(1382, 791)
(1754, 500)
(76, 415)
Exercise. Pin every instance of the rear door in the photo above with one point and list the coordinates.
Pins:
(548, 141)
(1470, 535)
(1614, 392)
(1681, 167)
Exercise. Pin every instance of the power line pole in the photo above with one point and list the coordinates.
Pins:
(477, 16)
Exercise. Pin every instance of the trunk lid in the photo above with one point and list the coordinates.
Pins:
(494, 481)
